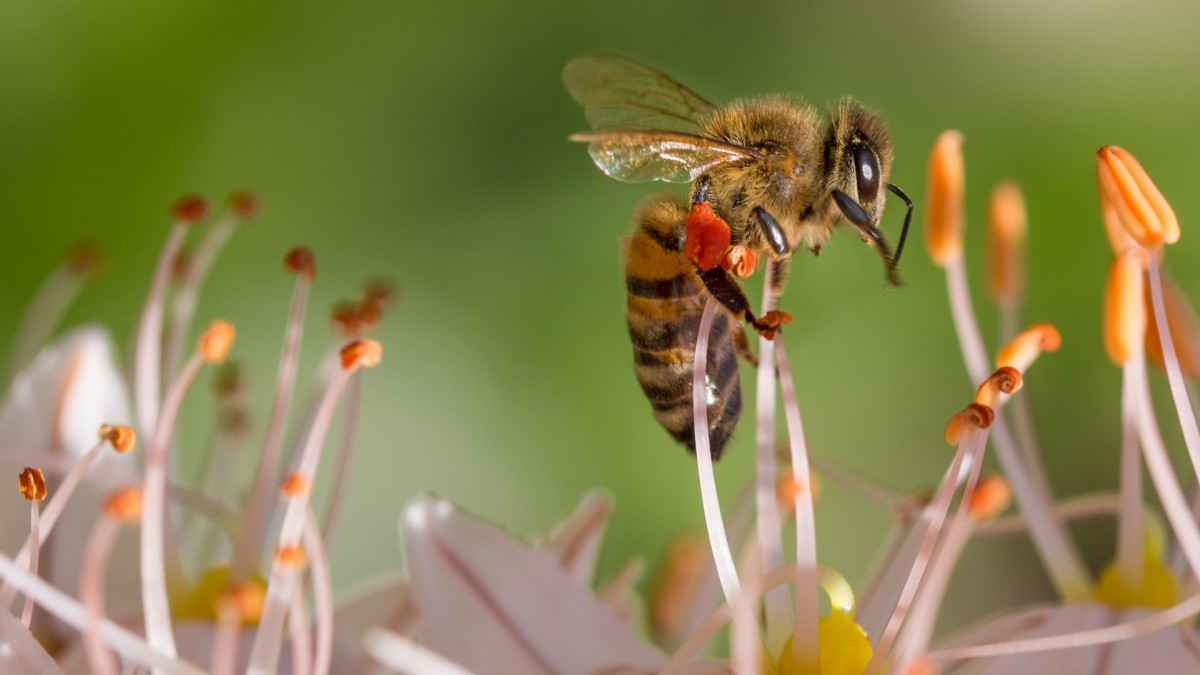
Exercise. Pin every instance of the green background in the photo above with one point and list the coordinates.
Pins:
(427, 142)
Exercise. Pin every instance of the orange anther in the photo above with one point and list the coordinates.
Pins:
(190, 209)
(121, 438)
(249, 599)
(292, 556)
(216, 341)
(944, 205)
(124, 505)
(991, 497)
(300, 260)
(1006, 243)
(1023, 349)
(1125, 306)
(295, 485)
(1005, 381)
(361, 353)
(244, 204)
(1141, 208)
(32, 484)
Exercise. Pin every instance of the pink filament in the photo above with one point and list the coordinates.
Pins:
(91, 592)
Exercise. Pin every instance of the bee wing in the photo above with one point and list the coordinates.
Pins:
(618, 93)
(637, 156)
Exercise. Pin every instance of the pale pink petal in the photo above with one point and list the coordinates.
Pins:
(385, 603)
(1172, 650)
(576, 541)
(496, 605)
(20, 653)
(697, 668)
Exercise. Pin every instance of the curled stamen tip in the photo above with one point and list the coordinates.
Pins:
(122, 438)
(361, 354)
(1021, 351)
(944, 209)
(1141, 208)
(1006, 239)
(1006, 380)
(991, 497)
(244, 204)
(190, 209)
(216, 341)
(32, 484)
(300, 260)
(248, 599)
(295, 485)
(124, 506)
(291, 556)
(974, 416)
(1124, 307)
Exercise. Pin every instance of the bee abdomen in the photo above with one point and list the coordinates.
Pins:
(665, 302)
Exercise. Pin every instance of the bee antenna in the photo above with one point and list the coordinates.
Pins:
(907, 221)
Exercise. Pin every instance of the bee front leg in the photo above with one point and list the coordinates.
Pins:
(727, 292)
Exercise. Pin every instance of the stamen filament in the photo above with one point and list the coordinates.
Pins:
(322, 595)
(91, 592)
(770, 527)
(27, 610)
(1130, 531)
(183, 301)
(341, 477)
(227, 638)
(717, 540)
(1179, 394)
(148, 353)
(264, 656)
(249, 546)
(1158, 463)
(49, 304)
(61, 605)
(807, 608)
(403, 655)
(155, 607)
(300, 633)
(1076, 508)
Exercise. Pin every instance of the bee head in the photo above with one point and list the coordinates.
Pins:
(858, 160)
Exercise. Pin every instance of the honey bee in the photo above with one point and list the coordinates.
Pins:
(768, 175)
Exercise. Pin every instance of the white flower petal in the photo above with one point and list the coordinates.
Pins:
(385, 603)
(577, 539)
(58, 403)
(494, 604)
(20, 653)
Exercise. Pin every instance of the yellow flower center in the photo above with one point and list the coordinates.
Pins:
(201, 601)
(1158, 588)
(844, 646)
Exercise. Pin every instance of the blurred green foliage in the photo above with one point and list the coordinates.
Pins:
(426, 141)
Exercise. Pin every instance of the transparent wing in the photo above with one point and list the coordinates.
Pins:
(638, 156)
(618, 93)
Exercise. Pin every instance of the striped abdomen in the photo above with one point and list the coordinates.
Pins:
(665, 300)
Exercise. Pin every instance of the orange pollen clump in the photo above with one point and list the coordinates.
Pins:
(216, 342)
(295, 485)
(740, 261)
(944, 205)
(190, 209)
(706, 237)
(1021, 351)
(361, 353)
(124, 505)
(292, 556)
(301, 260)
(974, 416)
(121, 438)
(32, 484)
(249, 600)
(991, 497)
(1006, 380)
(244, 204)
(1140, 206)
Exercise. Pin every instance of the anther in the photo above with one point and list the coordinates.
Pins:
(124, 506)
(190, 209)
(1021, 351)
(216, 342)
(1125, 307)
(295, 485)
(1007, 224)
(1005, 381)
(787, 489)
(1143, 211)
(944, 208)
(361, 353)
(292, 556)
(249, 599)
(121, 438)
(244, 204)
(300, 260)
(347, 318)
(32, 484)
(85, 258)
(991, 497)
(974, 416)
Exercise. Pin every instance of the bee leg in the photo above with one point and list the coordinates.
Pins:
(727, 292)
(742, 346)
(871, 234)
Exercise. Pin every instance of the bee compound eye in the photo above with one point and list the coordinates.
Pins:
(866, 169)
